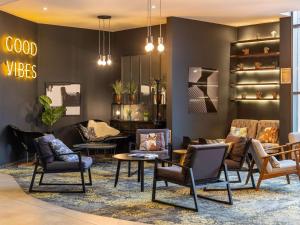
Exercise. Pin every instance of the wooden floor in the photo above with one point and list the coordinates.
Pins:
(18, 208)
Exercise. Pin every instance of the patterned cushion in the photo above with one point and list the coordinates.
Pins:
(47, 155)
(88, 133)
(238, 148)
(250, 124)
(268, 135)
(59, 147)
(152, 142)
(238, 131)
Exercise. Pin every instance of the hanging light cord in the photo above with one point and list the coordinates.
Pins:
(148, 32)
(150, 15)
(109, 36)
(160, 18)
(99, 38)
(103, 37)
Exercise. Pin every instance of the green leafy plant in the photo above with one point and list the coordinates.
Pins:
(131, 88)
(50, 114)
(118, 87)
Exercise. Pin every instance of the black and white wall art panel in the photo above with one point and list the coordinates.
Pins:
(203, 90)
(67, 95)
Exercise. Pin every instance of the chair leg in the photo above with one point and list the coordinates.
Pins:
(193, 190)
(41, 179)
(129, 168)
(117, 173)
(288, 179)
(239, 176)
(166, 183)
(154, 187)
(259, 182)
(82, 181)
(228, 184)
(33, 177)
(90, 177)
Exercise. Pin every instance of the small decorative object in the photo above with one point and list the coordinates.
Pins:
(240, 66)
(274, 33)
(257, 65)
(129, 114)
(246, 51)
(244, 95)
(285, 75)
(266, 50)
(50, 113)
(275, 94)
(146, 116)
(131, 89)
(119, 90)
(257, 35)
(259, 95)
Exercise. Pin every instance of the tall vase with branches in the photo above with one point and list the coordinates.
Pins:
(50, 114)
(118, 91)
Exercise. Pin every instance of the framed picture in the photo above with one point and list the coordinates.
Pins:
(203, 89)
(67, 95)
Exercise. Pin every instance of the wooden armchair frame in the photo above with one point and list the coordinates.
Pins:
(264, 175)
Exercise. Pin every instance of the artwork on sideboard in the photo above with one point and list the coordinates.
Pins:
(65, 94)
(203, 88)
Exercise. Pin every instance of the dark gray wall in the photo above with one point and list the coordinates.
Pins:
(285, 89)
(195, 43)
(17, 96)
(70, 55)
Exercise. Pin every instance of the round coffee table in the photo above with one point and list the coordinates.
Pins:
(96, 146)
(125, 157)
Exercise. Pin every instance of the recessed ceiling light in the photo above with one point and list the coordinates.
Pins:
(45, 8)
(153, 6)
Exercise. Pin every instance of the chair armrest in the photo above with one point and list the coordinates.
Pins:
(72, 153)
(282, 153)
(170, 163)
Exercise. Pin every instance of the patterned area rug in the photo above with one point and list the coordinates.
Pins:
(276, 202)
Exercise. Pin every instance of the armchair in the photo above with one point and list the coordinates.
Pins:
(266, 170)
(202, 167)
(43, 166)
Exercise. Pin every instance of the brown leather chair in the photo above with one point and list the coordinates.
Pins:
(202, 167)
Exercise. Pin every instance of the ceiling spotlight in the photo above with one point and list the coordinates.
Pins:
(45, 8)
(153, 6)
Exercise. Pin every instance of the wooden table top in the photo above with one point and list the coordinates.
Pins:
(126, 157)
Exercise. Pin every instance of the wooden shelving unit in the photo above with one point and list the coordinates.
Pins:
(256, 55)
(254, 69)
(258, 40)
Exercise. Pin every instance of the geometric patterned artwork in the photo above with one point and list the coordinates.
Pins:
(67, 95)
(203, 90)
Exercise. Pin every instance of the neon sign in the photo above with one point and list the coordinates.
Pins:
(17, 46)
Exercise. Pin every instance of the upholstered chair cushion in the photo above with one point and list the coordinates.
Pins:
(166, 132)
(250, 124)
(62, 166)
(284, 165)
(294, 137)
(152, 142)
(59, 147)
(172, 174)
(238, 147)
(258, 152)
(46, 152)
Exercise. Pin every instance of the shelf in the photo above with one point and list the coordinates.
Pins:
(256, 55)
(254, 84)
(254, 99)
(255, 70)
(268, 39)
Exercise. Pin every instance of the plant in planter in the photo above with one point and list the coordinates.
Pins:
(131, 89)
(118, 91)
(146, 116)
(50, 114)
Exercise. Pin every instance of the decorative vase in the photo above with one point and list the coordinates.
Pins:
(257, 65)
(275, 94)
(266, 50)
(246, 51)
(259, 95)
(244, 95)
(132, 98)
(118, 99)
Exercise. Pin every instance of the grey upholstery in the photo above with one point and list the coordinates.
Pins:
(62, 166)
(172, 173)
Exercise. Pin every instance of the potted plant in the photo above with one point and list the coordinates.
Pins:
(132, 89)
(118, 91)
(50, 114)
(129, 114)
(146, 116)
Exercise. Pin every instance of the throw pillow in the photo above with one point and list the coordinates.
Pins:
(239, 131)
(47, 155)
(152, 142)
(88, 133)
(274, 162)
(268, 135)
(59, 147)
(238, 147)
(102, 129)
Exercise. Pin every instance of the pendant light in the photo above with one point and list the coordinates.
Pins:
(103, 58)
(160, 46)
(149, 40)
